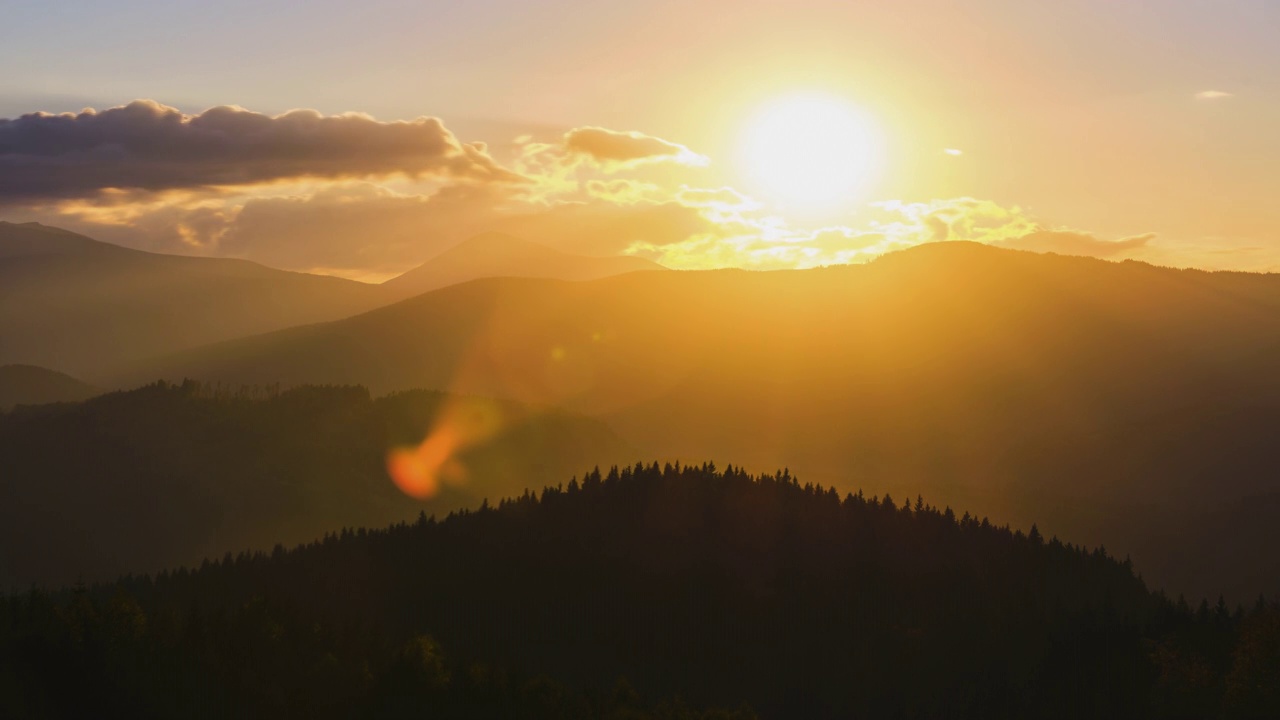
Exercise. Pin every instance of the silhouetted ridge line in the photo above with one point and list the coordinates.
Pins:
(715, 586)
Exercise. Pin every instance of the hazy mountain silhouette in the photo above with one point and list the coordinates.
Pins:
(80, 306)
(498, 255)
(651, 582)
(87, 307)
(31, 385)
(164, 475)
(1116, 402)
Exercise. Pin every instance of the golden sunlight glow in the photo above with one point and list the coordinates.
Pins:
(810, 154)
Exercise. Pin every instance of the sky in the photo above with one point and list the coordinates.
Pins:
(701, 133)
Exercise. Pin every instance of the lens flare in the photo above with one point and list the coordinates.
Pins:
(423, 470)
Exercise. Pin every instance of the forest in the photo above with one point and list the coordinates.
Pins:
(649, 591)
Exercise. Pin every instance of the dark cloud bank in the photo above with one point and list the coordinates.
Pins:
(150, 147)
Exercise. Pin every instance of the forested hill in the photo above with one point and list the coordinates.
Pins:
(714, 587)
(167, 474)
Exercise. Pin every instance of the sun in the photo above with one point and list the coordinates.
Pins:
(811, 154)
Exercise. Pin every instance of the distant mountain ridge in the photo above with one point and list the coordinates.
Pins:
(78, 305)
(498, 255)
(81, 306)
(31, 385)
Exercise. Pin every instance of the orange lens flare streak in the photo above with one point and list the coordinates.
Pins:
(422, 471)
(507, 359)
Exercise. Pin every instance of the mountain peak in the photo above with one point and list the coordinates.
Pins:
(496, 244)
(497, 238)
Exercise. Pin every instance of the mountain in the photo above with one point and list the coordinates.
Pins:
(80, 306)
(498, 255)
(25, 240)
(168, 474)
(1118, 403)
(591, 600)
(31, 385)
(90, 308)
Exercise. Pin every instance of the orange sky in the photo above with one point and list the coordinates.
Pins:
(1085, 127)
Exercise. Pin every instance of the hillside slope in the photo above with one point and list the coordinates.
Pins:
(1116, 402)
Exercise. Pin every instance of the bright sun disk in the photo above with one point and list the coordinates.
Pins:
(811, 154)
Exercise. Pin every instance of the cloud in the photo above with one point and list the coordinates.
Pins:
(843, 239)
(625, 191)
(1213, 95)
(369, 227)
(988, 222)
(146, 146)
(363, 230)
(962, 218)
(357, 228)
(602, 228)
(612, 147)
(953, 152)
(769, 243)
(296, 191)
(721, 198)
(1073, 242)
